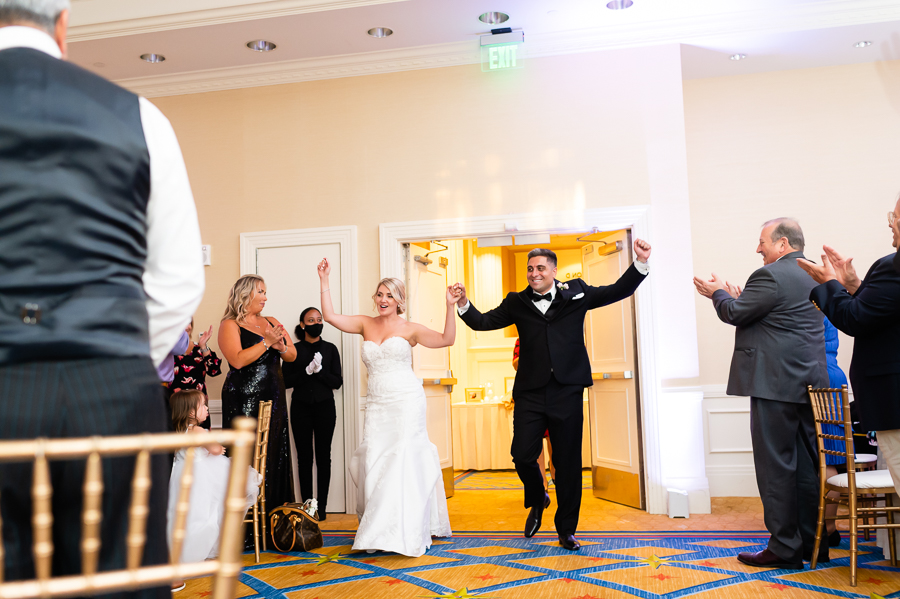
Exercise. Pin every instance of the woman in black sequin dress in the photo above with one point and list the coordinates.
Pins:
(254, 346)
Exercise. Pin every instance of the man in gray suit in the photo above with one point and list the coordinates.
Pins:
(779, 349)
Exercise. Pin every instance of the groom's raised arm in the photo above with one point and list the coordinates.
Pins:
(498, 318)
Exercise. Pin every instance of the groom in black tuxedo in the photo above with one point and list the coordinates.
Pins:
(553, 371)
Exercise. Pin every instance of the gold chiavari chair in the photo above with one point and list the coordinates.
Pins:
(258, 513)
(91, 582)
(832, 406)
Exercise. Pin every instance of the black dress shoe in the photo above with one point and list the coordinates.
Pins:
(767, 559)
(834, 539)
(533, 521)
(569, 542)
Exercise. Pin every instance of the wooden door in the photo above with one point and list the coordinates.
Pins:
(292, 286)
(614, 409)
(426, 303)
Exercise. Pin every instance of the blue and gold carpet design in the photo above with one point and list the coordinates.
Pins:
(500, 480)
(505, 566)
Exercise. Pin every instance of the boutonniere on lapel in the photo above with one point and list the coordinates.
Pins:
(561, 285)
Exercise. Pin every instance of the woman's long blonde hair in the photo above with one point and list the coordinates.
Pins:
(396, 289)
(239, 298)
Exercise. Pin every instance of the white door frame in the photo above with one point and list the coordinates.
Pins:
(346, 238)
(637, 218)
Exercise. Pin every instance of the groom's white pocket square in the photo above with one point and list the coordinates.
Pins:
(579, 296)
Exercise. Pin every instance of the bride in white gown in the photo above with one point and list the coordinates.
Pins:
(401, 501)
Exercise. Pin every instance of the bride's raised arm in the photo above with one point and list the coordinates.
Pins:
(347, 324)
(433, 339)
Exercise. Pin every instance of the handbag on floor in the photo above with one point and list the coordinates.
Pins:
(295, 527)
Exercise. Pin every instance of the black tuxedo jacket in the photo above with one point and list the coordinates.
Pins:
(555, 343)
(872, 317)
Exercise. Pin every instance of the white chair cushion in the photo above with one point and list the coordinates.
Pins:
(873, 479)
(865, 458)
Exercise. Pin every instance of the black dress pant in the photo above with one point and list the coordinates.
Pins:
(786, 458)
(313, 425)
(80, 398)
(559, 408)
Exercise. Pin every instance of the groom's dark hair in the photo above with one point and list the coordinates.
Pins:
(550, 255)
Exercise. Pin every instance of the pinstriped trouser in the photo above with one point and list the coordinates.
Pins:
(78, 398)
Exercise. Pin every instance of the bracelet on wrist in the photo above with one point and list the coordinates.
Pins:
(324, 290)
(265, 345)
(281, 352)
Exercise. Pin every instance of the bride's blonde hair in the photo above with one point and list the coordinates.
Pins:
(396, 288)
(240, 296)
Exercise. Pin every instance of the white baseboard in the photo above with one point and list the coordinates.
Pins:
(732, 481)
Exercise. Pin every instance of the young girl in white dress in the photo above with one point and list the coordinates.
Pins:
(401, 501)
(211, 469)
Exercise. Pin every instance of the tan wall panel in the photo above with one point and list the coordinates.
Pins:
(561, 134)
(821, 145)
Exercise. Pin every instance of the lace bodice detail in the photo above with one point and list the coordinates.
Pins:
(394, 354)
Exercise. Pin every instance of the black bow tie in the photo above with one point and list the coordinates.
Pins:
(536, 297)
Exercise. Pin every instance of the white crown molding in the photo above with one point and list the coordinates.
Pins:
(837, 13)
(99, 19)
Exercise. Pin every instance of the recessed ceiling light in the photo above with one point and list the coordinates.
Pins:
(619, 4)
(380, 32)
(862, 44)
(261, 46)
(152, 57)
(492, 18)
(738, 56)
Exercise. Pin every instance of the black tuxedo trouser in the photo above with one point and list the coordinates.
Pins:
(80, 398)
(313, 424)
(785, 457)
(559, 408)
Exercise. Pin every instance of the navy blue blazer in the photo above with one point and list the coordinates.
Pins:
(872, 317)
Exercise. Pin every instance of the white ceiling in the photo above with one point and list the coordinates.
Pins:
(204, 40)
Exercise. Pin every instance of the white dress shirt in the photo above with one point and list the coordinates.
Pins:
(544, 305)
(173, 275)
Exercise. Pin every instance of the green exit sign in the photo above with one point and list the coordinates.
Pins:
(501, 57)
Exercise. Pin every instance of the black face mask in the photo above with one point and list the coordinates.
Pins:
(314, 330)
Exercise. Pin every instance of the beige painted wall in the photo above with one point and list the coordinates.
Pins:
(563, 133)
(821, 145)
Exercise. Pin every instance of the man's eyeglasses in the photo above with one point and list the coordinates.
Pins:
(891, 218)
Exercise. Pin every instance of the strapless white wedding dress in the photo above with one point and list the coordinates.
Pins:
(401, 502)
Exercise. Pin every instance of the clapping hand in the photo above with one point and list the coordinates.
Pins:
(843, 269)
(204, 338)
(733, 290)
(641, 250)
(315, 365)
(707, 288)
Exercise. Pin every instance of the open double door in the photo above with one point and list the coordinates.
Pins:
(610, 340)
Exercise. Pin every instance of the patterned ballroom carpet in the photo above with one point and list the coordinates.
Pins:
(610, 565)
(500, 480)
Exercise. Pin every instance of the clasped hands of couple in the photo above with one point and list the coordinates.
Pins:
(834, 267)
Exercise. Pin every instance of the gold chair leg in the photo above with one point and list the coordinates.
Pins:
(854, 539)
(892, 543)
(263, 501)
(866, 520)
(820, 524)
(256, 531)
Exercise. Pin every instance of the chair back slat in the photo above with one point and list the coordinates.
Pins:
(42, 516)
(232, 544)
(92, 514)
(140, 508)
(226, 566)
(183, 504)
(832, 406)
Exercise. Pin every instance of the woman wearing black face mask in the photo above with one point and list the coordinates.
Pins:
(314, 376)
